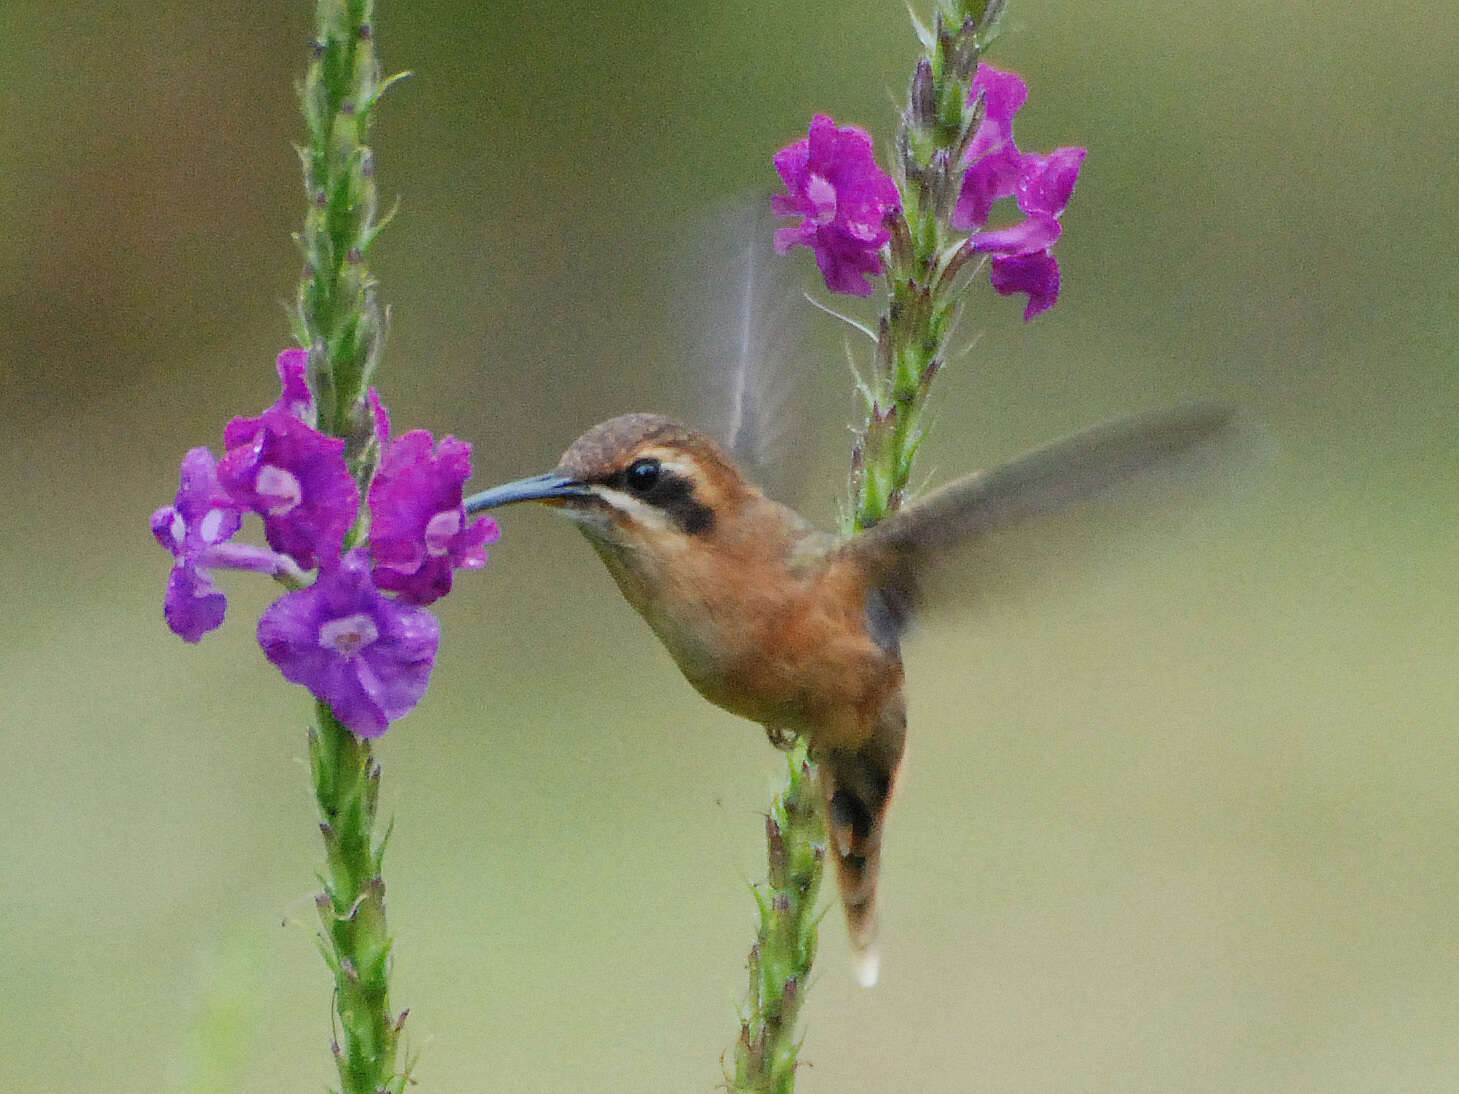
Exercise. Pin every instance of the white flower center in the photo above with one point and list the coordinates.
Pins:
(211, 525)
(349, 634)
(279, 488)
(823, 196)
(440, 529)
(178, 528)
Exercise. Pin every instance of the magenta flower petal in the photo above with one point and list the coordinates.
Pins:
(845, 269)
(293, 367)
(835, 185)
(192, 606)
(1004, 94)
(419, 533)
(996, 169)
(280, 466)
(203, 514)
(1034, 274)
(381, 417)
(1038, 232)
(296, 478)
(1047, 182)
(994, 164)
(798, 235)
(368, 656)
(992, 178)
(294, 401)
(201, 517)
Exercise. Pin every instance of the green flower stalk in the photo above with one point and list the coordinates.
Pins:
(364, 530)
(355, 941)
(785, 946)
(923, 258)
(339, 315)
(340, 320)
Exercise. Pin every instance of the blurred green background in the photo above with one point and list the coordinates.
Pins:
(1186, 823)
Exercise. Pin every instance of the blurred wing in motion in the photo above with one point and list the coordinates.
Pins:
(1019, 522)
(742, 322)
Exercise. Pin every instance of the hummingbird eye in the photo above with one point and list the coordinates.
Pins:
(642, 475)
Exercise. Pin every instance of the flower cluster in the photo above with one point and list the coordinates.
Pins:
(367, 654)
(847, 202)
(1023, 259)
(844, 198)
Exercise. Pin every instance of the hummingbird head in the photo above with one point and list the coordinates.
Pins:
(634, 482)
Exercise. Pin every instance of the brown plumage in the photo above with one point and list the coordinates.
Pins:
(800, 630)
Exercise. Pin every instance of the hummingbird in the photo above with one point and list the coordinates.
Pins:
(800, 630)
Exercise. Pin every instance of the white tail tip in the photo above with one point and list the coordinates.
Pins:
(868, 967)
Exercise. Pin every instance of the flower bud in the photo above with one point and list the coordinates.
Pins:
(790, 999)
(779, 862)
(922, 99)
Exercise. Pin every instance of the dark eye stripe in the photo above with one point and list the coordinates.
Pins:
(692, 517)
(670, 492)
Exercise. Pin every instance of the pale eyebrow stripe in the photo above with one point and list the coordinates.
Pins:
(650, 516)
(675, 462)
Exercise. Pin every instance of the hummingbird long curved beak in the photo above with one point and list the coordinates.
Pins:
(553, 488)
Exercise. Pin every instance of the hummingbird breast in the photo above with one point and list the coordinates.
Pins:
(766, 621)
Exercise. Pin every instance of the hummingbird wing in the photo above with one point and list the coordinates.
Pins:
(1113, 473)
(749, 344)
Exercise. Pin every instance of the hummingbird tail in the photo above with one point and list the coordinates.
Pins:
(858, 786)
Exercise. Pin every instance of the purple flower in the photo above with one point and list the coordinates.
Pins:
(201, 517)
(418, 530)
(1023, 259)
(1047, 182)
(192, 605)
(843, 198)
(295, 399)
(196, 528)
(280, 466)
(1035, 274)
(368, 656)
(992, 158)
